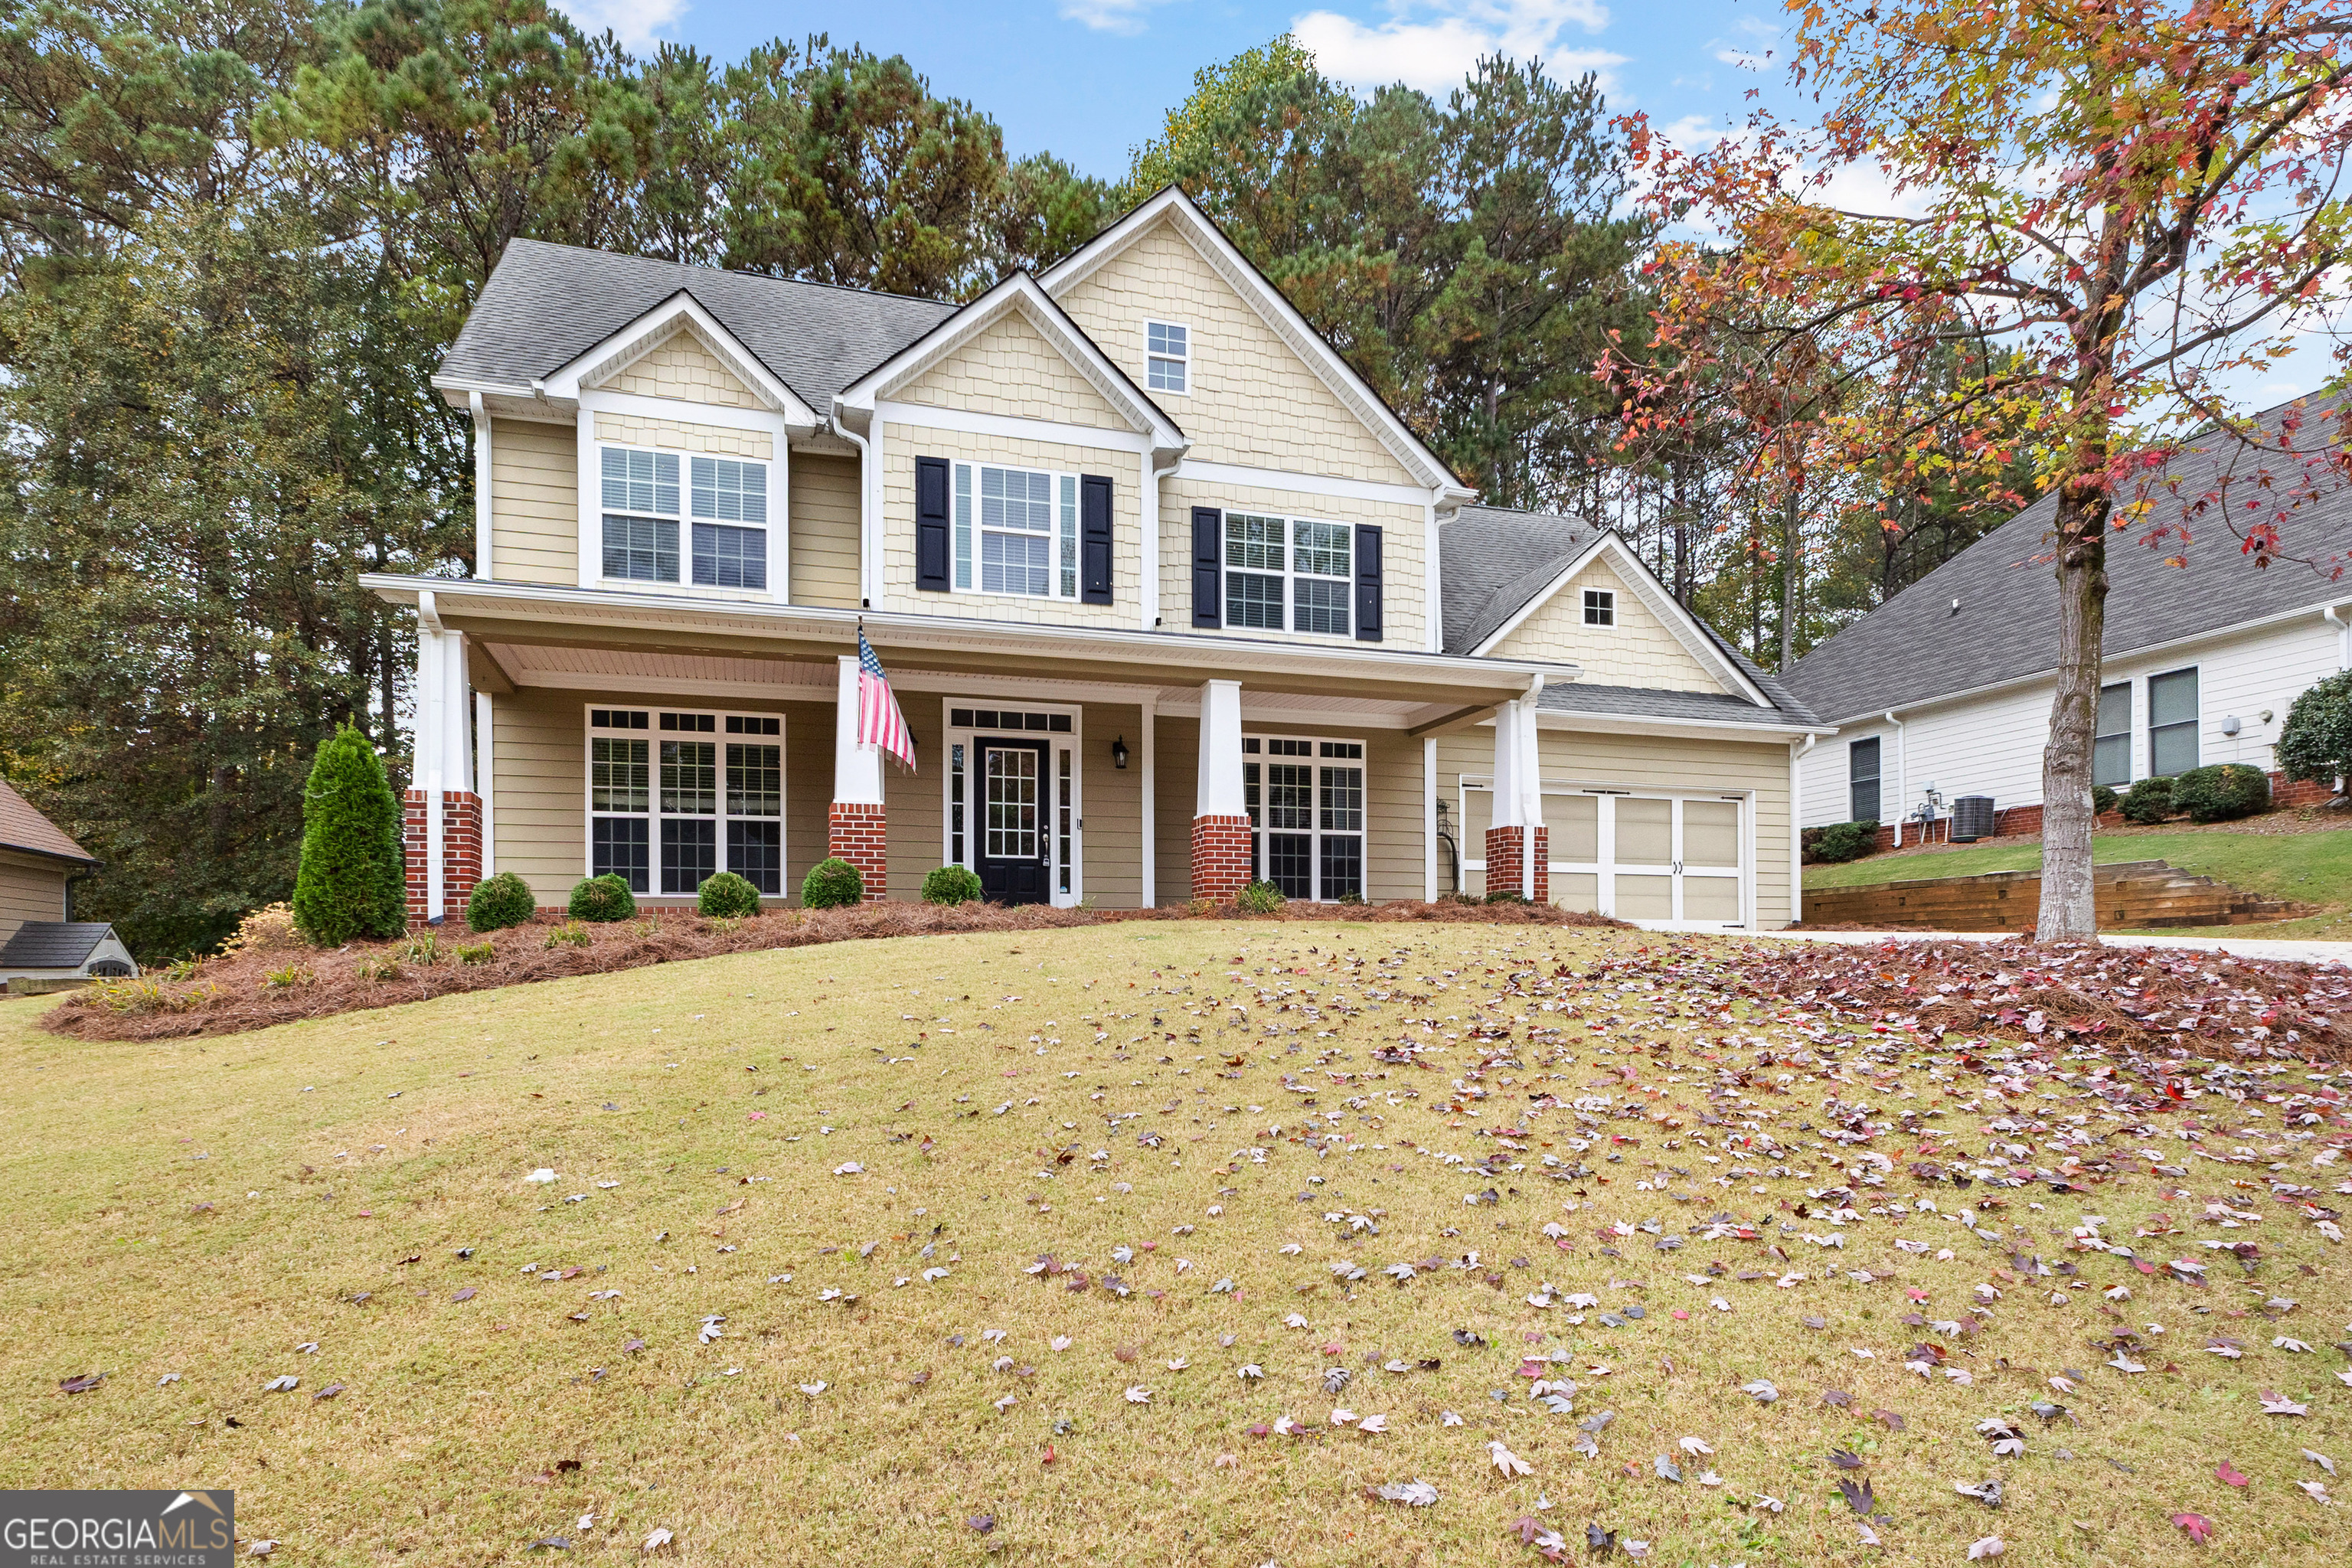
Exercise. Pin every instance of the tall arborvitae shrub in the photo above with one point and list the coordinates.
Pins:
(353, 881)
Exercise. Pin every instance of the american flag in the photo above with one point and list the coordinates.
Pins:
(879, 723)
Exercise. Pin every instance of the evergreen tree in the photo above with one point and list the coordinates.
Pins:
(354, 880)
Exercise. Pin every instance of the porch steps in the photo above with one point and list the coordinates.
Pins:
(2129, 896)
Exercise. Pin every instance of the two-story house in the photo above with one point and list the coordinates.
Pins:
(1169, 596)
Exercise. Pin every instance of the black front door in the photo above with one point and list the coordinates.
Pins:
(1015, 836)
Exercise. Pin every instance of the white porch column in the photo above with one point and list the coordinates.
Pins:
(1429, 819)
(427, 764)
(857, 830)
(1517, 851)
(1221, 825)
(1149, 790)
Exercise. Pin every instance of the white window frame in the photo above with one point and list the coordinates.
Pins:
(967, 532)
(675, 518)
(1604, 600)
(1154, 357)
(1290, 574)
(653, 815)
(1255, 757)
(591, 490)
(960, 826)
(1605, 870)
(2194, 723)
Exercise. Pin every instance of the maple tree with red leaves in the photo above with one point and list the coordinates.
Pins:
(2108, 214)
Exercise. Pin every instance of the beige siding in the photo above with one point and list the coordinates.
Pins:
(1176, 790)
(825, 530)
(1008, 369)
(1113, 799)
(30, 890)
(1253, 400)
(534, 502)
(1685, 765)
(683, 368)
(1404, 551)
(685, 436)
(903, 444)
(1639, 650)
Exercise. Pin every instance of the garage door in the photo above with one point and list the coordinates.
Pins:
(1662, 860)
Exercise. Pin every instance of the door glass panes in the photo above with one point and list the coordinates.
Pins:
(2111, 752)
(2172, 722)
(1062, 815)
(1290, 863)
(955, 804)
(1011, 803)
(1711, 833)
(1645, 836)
(1340, 817)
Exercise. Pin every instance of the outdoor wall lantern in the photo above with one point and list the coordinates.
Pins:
(1118, 752)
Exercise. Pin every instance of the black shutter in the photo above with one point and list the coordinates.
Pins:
(931, 524)
(1368, 584)
(1094, 539)
(1208, 567)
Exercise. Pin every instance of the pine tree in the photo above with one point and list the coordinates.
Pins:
(353, 881)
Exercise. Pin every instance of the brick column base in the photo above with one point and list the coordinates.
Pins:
(858, 833)
(1221, 857)
(461, 840)
(1507, 850)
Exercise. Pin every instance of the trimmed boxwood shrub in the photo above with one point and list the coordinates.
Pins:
(605, 898)
(726, 897)
(2149, 801)
(2103, 800)
(500, 901)
(2317, 741)
(352, 880)
(2221, 792)
(952, 885)
(1843, 841)
(1259, 898)
(832, 884)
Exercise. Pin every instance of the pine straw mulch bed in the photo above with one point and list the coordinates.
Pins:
(272, 976)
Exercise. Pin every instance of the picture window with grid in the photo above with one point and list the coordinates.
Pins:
(721, 503)
(1306, 804)
(1288, 575)
(671, 809)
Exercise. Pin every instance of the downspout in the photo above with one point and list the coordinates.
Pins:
(865, 494)
(1902, 773)
(1797, 828)
(2343, 637)
(482, 564)
(1153, 526)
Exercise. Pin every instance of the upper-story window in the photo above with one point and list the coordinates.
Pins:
(1168, 352)
(725, 511)
(1016, 530)
(1600, 606)
(1287, 573)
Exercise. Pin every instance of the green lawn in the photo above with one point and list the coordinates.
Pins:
(748, 1136)
(2309, 868)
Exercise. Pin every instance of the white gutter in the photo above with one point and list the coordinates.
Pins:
(1902, 772)
(1797, 755)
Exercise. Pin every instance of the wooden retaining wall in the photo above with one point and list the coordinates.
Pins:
(2129, 896)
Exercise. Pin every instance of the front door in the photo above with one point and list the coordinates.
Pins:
(1015, 841)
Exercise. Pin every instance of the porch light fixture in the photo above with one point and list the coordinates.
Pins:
(1118, 752)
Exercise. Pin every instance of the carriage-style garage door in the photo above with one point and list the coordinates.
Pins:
(1657, 858)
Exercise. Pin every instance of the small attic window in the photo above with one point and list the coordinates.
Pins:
(1168, 349)
(1600, 606)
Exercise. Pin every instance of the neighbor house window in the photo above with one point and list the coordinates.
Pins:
(1600, 606)
(1167, 351)
(1861, 780)
(1306, 804)
(2172, 722)
(675, 798)
(2111, 751)
(1016, 532)
(641, 514)
(1288, 573)
(728, 498)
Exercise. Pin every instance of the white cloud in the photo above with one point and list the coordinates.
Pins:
(1432, 45)
(1743, 58)
(634, 22)
(1122, 16)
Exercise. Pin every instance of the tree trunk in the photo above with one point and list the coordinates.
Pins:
(2068, 912)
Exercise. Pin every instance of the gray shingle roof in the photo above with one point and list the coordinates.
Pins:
(1645, 703)
(1493, 561)
(53, 944)
(545, 305)
(1916, 646)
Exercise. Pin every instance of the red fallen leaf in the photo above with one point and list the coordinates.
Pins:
(1050, 1454)
(2230, 1473)
(2198, 1526)
(2143, 1265)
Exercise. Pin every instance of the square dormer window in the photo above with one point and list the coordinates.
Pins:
(1600, 606)
(1167, 354)
(698, 520)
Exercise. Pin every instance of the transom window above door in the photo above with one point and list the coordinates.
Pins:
(1016, 530)
(1288, 573)
(722, 506)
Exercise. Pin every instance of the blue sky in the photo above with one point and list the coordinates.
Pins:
(1090, 79)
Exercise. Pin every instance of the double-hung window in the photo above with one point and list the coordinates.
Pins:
(728, 496)
(1288, 573)
(640, 515)
(722, 503)
(675, 798)
(1306, 804)
(2111, 751)
(2172, 722)
(1168, 352)
(1016, 532)
(1861, 780)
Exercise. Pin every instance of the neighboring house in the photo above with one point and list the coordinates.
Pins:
(1949, 685)
(39, 938)
(1169, 596)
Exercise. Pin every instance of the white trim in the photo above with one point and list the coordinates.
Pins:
(1653, 598)
(1585, 606)
(1433, 591)
(1640, 724)
(1798, 751)
(1149, 790)
(1184, 358)
(1278, 313)
(486, 720)
(1004, 427)
(591, 497)
(653, 815)
(1218, 783)
(1066, 489)
(1073, 740)
(1429, 819)
(1302, 484)
(1315, 762)
(681, 311)
(1605, 867)
(483, 511)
